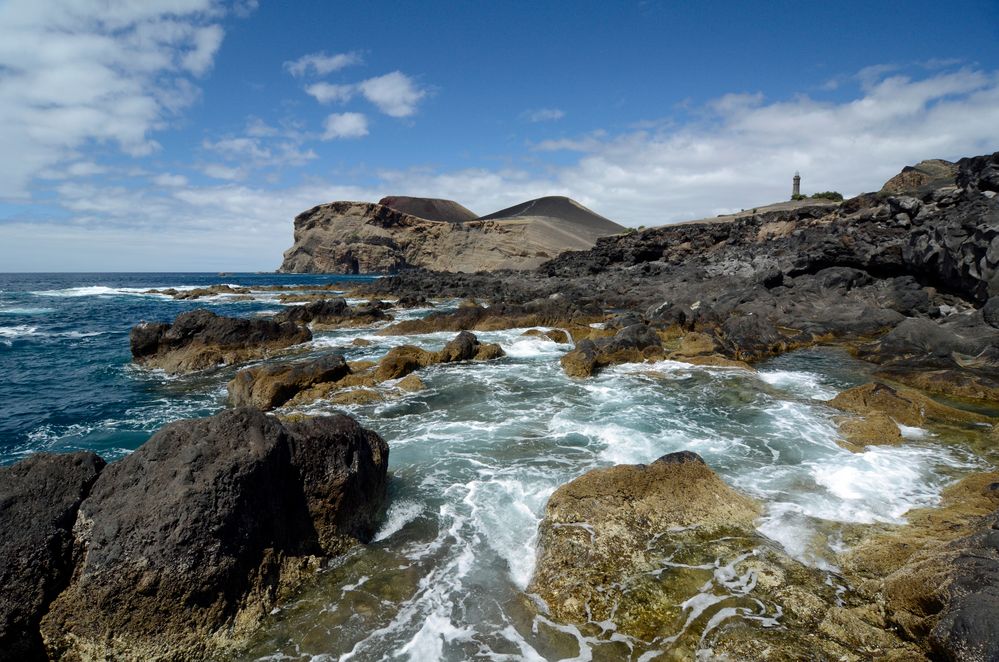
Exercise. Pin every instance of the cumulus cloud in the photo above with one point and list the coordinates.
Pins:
(331, 93)
(321, 64)
(75, 74)
(543, 114)
(394, 94)
(345, 125)
(263, 146)
(169, 180)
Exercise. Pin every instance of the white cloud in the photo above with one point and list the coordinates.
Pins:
(75, 74)
(345, 125)
(258, 128)
(321, 64)
(219, 171)
(206, 43)
(168, 180)
(268, 147)
(543, 114)
(394, 93)
(587, 143)
(331, 93)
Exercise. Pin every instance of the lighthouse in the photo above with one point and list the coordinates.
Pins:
(796, 189)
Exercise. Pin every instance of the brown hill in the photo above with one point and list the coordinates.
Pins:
(432, 209)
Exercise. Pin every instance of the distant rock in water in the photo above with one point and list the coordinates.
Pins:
(359, 237)
(432, 209)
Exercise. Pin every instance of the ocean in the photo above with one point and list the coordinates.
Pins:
(474, 458)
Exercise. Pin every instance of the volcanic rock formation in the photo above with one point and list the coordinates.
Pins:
(360, 237)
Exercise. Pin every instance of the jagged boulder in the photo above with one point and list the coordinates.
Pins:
(332, 314)
(200, 339)
(39, 499)
(298, 383)
(937, 579)
(269, 386)
(632, 343)
(191, 539)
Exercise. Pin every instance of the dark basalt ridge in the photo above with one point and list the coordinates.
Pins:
(177, 551)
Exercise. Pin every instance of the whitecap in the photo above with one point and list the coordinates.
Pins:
(807, 384)
(18, 331)
(26, 311)
(400, 513)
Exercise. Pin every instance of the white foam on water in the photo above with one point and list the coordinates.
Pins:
(19, 331)
(911, 432)
(103, 290)
(400, 513)
(799, 383)
(531, 347)
(428, 642)
(878, 485)
(506, 512)
(26, 311)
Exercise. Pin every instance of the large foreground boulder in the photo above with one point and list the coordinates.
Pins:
(39, 498)
(190, 540)
(200, 339)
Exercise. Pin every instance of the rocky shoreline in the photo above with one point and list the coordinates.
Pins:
(180, 550)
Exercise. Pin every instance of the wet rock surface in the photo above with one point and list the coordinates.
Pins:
(937, 579)
(272, 385)
(667, 551)
(186, 543)
(330, 377)
(332, 314)
(597, 529)
(39, 499)
(200, 339)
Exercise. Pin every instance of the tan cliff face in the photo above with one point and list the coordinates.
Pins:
(361, 237)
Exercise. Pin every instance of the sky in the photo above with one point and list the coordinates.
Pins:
(186, 135)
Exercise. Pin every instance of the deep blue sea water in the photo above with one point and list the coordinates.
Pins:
(65, 377)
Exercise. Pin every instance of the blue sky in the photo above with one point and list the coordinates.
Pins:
(186, 134)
